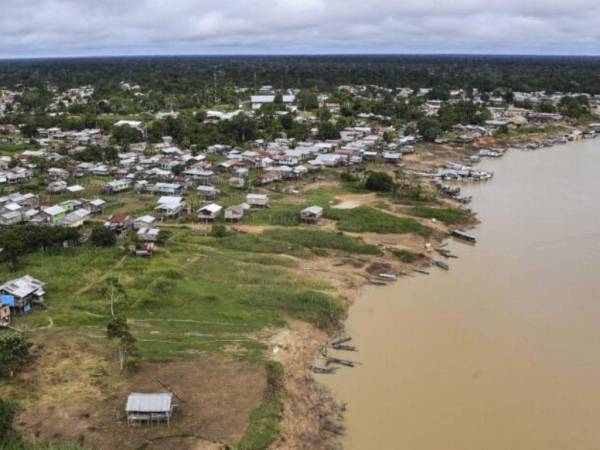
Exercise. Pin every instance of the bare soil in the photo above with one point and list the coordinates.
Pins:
(73, 391)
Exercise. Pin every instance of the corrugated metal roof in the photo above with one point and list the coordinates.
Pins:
(137, 402)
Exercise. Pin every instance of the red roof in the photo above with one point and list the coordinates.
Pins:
(118, 218)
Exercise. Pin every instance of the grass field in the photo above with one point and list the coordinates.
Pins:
(196, 294)
(365, 219)
(449, 216)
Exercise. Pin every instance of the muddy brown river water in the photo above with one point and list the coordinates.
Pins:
(503, 351)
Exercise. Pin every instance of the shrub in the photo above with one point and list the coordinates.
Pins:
(14, 353)
(103, 237)
(218, 230)
(379, 182)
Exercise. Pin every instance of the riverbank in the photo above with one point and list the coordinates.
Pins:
(455, 351)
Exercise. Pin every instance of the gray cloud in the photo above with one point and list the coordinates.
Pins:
(30, 28)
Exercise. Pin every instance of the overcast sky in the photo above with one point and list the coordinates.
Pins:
(34, 28)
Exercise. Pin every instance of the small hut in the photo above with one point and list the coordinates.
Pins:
(312, 214)
(149, 408)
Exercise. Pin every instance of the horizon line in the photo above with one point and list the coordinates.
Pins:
(295, 55)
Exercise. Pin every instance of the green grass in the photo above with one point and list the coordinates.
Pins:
(197, 294)
(253, 243)
(12, 149)
(281, 215)
(448, 216)
(264, 420)
(322, 239)
(365, 219)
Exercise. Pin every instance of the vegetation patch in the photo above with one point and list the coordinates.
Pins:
(320, 239)
(365, 220)
(446, 215)
(264, 420)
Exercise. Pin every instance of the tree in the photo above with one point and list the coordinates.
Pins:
(328, 131)
(117, 328)
(430, 129)
(307, 99)
(126, 135)
(379, 182)
(14, 246)
(103, 237)
(14, 353)
(178, 169)
(29, 131)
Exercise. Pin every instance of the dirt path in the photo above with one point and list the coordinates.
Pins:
(102, 277)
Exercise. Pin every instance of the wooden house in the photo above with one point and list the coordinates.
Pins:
(22, 293)
(149, 408)
(119, 223)
(258, 200)
(209, 213)
(312, 214)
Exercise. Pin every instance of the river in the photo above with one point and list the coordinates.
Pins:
(503, 351)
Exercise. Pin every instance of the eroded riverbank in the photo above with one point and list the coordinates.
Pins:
(500, 352)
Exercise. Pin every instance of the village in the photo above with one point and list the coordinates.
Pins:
(374, 199)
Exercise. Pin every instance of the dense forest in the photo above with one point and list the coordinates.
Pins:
(180, 74)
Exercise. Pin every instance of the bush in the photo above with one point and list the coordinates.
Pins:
(103, 237)
(218, 230)
(379, 182)
(14, 353)
(7, 415)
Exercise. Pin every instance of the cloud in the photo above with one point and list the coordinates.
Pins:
(31, 28)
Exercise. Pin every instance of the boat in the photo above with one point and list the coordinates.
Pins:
(323, 369)
(388, 276)
(441, 265)
(464, 236)
(344, 347)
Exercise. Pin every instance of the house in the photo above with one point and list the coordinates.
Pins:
(207, 192)
(54, 214)
(392, 157)
(209, 213)
(237, 182)
(167, 189)
(258, 200)
(22, 293)
(258, 101)
(75, 189)
(57, 186)
(148, 234)
(312, 214)
(149, 408)
(170, 207)
(119, 223)
(234, 213)
(96, 206)
(117, 186)
(76, 218)
(143, 222)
